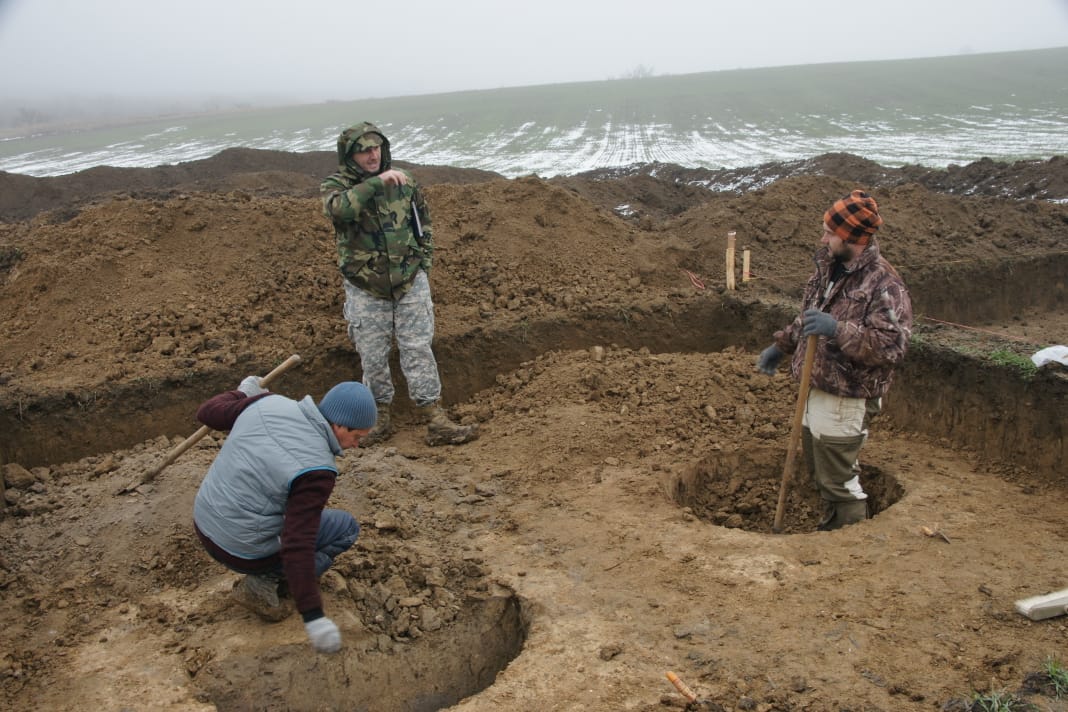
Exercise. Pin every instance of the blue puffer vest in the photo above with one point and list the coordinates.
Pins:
(240, 504)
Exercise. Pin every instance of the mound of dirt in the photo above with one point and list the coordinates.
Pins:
(264, 172)
(620, 497)
(133, 287)
(1026, 180)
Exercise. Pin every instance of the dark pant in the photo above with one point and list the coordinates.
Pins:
(337, 532)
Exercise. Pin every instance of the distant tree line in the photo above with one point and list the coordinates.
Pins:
(639, 72)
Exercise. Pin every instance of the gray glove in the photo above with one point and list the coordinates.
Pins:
(769, 360)
(250, 386)
(815, 322)
(324, 635)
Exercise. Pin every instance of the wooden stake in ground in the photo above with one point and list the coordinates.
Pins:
(730, 260)
(795, 430)
(745, 265)
(204, 430)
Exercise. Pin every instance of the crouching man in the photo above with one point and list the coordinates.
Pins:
(260, 510)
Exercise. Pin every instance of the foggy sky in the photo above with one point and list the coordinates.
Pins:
(313, 50)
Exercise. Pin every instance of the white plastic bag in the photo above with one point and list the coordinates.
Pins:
(1051, 353)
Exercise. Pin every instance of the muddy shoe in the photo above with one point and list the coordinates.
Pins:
(441, 430)
(259, 594)
(383, 428)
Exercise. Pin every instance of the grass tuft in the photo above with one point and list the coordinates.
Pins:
(1058, 676)
(999, 701)
(1009, 359)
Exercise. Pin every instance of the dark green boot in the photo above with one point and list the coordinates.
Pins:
(841, 514)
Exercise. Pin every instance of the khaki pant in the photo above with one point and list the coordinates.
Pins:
(835, 428)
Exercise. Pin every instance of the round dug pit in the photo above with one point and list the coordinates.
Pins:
(741, 491)
(430, 673)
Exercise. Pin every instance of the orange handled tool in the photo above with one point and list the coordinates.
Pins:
(681, 686)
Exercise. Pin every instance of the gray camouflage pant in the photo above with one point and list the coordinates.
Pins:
(373, 325)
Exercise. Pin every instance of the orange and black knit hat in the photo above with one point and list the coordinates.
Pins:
(854, 218)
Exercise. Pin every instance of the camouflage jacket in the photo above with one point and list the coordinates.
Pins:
(383, 233)
(874, 313)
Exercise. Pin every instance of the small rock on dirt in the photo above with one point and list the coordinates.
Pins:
(610, 651)
(17, 477)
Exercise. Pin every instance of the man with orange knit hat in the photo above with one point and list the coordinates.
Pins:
(859, 308)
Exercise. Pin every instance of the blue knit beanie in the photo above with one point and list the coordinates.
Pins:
(349, 404)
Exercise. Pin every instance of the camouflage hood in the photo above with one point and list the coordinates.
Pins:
(347, 141)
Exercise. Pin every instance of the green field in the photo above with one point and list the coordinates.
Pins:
(933, 112)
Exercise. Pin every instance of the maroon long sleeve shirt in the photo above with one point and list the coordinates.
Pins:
(308, 496)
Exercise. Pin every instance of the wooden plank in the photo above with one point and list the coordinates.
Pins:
(1039, 608)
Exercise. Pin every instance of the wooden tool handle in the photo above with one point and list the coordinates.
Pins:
(280, 369)
(795, 430)
(204, 429)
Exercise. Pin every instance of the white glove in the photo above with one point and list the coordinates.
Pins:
(250, 386)
(324, 635)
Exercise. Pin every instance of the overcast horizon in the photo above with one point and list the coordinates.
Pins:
(274, 51)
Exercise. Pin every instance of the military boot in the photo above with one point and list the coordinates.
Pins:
(260, 593)
(383, 428)
(441, 430)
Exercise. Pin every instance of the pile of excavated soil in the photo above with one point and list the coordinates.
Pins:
(129, 288)
(630, 461)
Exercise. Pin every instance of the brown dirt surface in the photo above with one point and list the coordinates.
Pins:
(613, 521)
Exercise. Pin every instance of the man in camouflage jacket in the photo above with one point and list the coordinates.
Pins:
(385, 251)
(859, 308)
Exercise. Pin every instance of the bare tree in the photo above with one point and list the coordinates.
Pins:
(639, 72)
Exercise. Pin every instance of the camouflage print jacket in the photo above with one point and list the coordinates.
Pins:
(380, 246)
(874, 313)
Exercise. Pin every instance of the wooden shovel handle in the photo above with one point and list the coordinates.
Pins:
(204, 429)
(795, 430)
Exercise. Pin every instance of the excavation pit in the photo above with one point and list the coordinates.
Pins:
(433, 672)
(741, 491)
